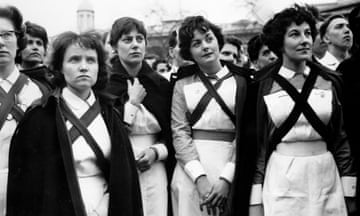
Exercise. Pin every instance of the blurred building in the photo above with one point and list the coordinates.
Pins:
(85, 16)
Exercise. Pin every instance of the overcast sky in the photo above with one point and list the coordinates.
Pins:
(60, 15)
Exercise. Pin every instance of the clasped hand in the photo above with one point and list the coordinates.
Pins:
(213, 197)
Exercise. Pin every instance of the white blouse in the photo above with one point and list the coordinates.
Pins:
(91, 181)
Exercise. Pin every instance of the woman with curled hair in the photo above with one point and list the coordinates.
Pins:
(17, 91)
(207, 106)
(71, 155)
(303, 147)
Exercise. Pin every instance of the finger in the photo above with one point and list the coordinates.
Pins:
(136, 81)
(210, 198)
(216, 201)
(129, 82)
(140, 155)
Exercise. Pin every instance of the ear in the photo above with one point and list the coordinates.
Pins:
(171, 52)
(326, 39)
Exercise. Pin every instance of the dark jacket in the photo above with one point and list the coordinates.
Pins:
(351, 90)
(42, 76)
(336, 140)
(157, 101)
(42, 177)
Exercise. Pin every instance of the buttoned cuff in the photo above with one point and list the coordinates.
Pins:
(129, 112)
(161, 150)
(194, 169)
(228, 172)
(256, 194)
(349, 185)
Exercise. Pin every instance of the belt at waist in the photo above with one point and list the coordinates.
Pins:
(213, 135)
(308, 148)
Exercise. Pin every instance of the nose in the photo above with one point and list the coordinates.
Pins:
(83, 67)
(272, 56)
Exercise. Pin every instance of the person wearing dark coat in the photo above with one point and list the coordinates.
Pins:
(144, 101)
(31, 57)
(351, 88)
(71, 154)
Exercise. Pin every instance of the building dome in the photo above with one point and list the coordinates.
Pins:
(85, 5)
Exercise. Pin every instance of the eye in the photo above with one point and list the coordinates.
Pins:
(209, 39)
(7, 35)
(39, 43)
(195, 44)
(127, 39)
(91, 60)
(74, 59)
(140, 39)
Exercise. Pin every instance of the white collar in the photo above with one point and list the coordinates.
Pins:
(75, 102)
(288, 74)
(14, 75)
(221, 73)
(329, 60)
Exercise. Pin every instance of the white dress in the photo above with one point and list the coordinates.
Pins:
(306, 185)
(92, 183)
(214, 157)
(153, 182)
(28, 94)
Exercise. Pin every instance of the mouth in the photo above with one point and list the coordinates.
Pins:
(347, 38)
(303, 50)
(136, 54)
(35, 54)
(207, 55)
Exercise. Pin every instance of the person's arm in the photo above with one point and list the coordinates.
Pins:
(186, 152)
(342, 152)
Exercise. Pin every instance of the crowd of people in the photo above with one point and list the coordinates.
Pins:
(95, 128)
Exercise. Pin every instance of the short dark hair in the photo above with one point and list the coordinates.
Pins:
(38, 31)
(13, 14)
(235, 41)
(85, 40)
(125, 25)
(275, 29)
(326, 23)
(159, 61)
(186, 34)
(172, 39)
(254, 46)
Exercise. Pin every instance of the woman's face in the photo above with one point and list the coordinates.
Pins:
(297, 43)
(131, 47)
(8, 42)
(204, 48)
(80, 68)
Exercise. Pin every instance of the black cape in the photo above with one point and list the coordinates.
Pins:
(42, 178)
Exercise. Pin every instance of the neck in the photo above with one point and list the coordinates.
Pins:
(6, 70)
(83, 93)
(132, 69)
(211, 68)
(338, 53)
(297, 66)
(30, 65)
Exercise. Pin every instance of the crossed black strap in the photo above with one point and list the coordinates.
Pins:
(80, 128)
(8, 101)
(301, 106)
(205, 100)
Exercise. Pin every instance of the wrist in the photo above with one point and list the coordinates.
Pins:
(155, 152)
(225, 180)
(199, 178)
